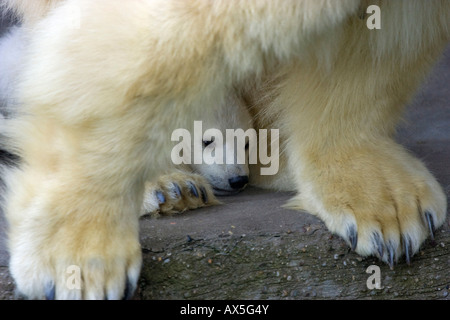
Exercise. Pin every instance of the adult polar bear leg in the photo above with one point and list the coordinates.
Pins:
(99, 99)
(340, 121)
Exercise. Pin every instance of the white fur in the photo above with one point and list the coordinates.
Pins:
(233, 115)
(99, 100)
(208, 179)
(12, 47)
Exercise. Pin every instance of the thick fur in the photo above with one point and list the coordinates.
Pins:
(11, 49)
(191, 186)
(99, 102)
(208, 179)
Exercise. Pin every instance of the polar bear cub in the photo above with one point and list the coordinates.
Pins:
(193, 185)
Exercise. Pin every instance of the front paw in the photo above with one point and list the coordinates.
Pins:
(177, 192)
(382, 200)
(75, 260)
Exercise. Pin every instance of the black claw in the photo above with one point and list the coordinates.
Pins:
(353, 237)
(177, 189)
(50, 292)
(129, 290)
(391, 256)
(379, 244)
(193, 189)
(407, 246)
(430, 222)
(161, 197)
(204, 194)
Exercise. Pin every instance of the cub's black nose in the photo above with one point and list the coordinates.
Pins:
(238, 182)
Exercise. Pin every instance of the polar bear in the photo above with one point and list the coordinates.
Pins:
(187, 186)
(105, 83)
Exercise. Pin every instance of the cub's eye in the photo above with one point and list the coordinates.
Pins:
(207, 142)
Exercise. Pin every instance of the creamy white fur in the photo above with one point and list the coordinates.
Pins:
(232, 114)
(211, 179)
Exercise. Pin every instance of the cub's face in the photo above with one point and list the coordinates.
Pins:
(225, 146)
(225, 177)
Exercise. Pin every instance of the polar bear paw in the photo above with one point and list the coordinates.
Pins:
(382, 202)
(176, 193)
